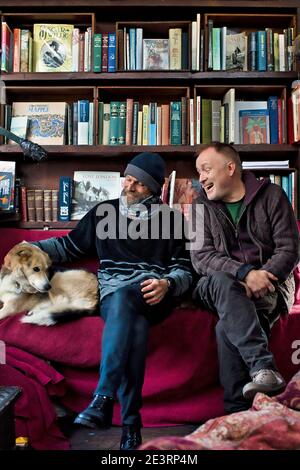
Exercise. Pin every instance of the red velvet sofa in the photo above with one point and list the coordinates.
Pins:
(181, 382)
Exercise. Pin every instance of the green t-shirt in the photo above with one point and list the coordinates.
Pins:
(234, 209)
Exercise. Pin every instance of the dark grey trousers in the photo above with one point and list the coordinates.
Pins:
(242, 333)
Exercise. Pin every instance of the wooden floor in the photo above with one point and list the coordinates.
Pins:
(109, 439)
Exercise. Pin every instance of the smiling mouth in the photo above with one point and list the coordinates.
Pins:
(208, 186)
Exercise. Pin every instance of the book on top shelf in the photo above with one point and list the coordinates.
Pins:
(92, 187)
(156, 54)
(52, 47)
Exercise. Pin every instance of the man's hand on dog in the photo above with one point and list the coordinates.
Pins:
(154, 290)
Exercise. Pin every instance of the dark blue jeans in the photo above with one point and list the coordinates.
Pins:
(124, 347)
(242, 333)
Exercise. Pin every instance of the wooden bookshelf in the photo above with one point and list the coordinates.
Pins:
(156, 16)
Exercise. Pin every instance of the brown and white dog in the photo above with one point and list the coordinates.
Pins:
(25, 286)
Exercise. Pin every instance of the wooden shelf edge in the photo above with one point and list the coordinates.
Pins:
(47, 225)
(168, 151)
(145, 75)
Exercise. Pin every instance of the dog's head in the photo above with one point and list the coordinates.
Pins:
(29, 266)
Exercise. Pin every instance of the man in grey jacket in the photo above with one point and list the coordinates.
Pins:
(250, 248)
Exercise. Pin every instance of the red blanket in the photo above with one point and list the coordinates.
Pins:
(181, 383)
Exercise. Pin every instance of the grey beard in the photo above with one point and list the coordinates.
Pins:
(132, 202)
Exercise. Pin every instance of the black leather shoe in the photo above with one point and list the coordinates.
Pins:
(131, 437)
(98, 414)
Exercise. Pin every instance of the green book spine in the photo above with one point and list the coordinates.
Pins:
(97, 52)
(206, 121)
(100, 122)
(122, 123)
(114, 122)
(175, 123)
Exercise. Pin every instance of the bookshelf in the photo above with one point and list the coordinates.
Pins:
(156, 18)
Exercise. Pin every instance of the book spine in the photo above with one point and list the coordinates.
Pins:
(129, 121)
(106, 123)
(24, 212)
(47, 205)
(132, 48)
(83, 122)
(114, 122)
(65, 198)
(111, 52)
(139, 49)
(39, 204)
(30, 205)
(175, 48)
(165, 124)
(97, 52)
(152, 123)
(122, 124)
(175, 123)
(17, 48)
(135, 122)
(145, 131)
(273, 114)
(75, 50)
(104, 52)
(100, 122)
(54, 205)
(261, 51)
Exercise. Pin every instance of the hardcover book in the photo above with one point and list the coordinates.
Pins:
(254, 127)
(92, 187)
(236, 53)
(46, 121)
(7, 185)
(156, 54)
(52, 47)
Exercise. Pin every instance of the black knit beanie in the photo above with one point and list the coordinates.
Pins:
(149, 168)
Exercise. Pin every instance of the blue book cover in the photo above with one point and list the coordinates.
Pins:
(273, 117)
(261, 51)
(65, 198)
(112, 52)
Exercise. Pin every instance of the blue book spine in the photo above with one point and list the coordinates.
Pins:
(273, 116)
(65, 198)
(132, 48)
(261, 51)
(112, 52)
(152, 123)
(285, 184)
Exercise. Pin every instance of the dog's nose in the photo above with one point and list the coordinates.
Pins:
(47, 287)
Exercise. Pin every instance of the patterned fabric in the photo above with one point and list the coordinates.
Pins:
(271, 424)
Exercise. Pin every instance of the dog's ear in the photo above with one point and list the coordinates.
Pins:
(7, 262)
(24, 253)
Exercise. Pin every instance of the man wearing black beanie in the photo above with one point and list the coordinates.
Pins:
(138, 278)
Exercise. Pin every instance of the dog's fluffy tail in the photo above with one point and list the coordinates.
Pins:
(68, 315)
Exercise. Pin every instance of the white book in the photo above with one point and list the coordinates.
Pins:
(83, 122)
(243, 105)
(86, 51)
(194, 45)
(192, 136)
(139, 49)
(282, 64)
(266, 164)
(19, 126)
(223, 47)
(91, 123)
(171, 188)
(198, 22)
(229, 98)
(198, 120)
(140, 128)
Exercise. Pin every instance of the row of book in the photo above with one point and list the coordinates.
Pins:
(50, 48)
(240, 122)
(181, 122)
(77, 195)
(138, 53)
(131, 123)
(266, 50)
(52, 123)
